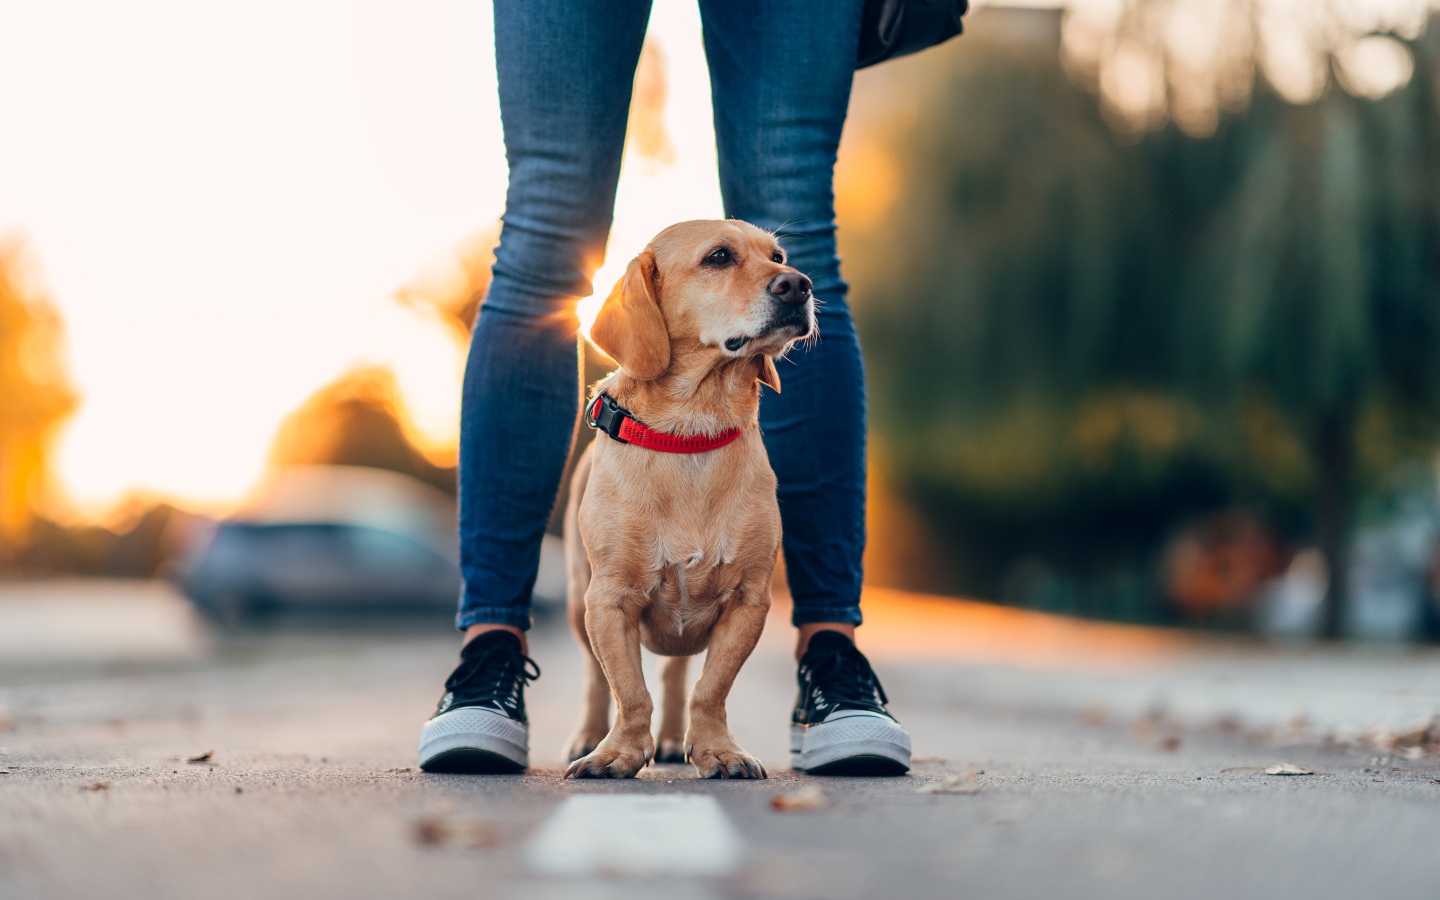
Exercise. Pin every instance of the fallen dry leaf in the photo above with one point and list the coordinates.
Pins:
(1277, 769)
(806, 799)
(1290, 769)
(431, 832)
(1170, 743)
(97, 786)
(456, 831)
(207, 756)
(1413, 738)
(967, 782)
(1417, 742)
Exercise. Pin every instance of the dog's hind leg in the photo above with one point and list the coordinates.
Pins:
(595, 700)
(670, 742)
(594, 721)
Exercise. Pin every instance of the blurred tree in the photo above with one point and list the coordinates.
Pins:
(1318, 277)
(35, 393)
(357, 420)
(1080, 338)
(1191, 61)
(647, 135)
(1018, 363)
(143, 537)
(453, 284)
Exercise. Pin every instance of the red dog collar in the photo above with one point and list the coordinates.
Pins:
(613, 419)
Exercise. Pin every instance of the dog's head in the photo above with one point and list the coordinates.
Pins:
(720, 289)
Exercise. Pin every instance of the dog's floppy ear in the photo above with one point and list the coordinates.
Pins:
(767, 374)
(629, 327)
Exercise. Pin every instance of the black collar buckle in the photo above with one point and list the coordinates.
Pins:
(606, 415)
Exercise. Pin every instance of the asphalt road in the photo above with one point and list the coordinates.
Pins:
(309, 789)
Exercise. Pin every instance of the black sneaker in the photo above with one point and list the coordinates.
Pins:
(840, 725)
(480, 726)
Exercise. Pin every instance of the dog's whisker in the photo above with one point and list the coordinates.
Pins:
(780, 232)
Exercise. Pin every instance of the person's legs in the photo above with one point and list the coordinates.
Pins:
(781, 72)
(565, 73)
(565, 68)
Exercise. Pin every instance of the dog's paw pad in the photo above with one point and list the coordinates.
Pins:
(728, 764)
(604, 763)
(583, 768)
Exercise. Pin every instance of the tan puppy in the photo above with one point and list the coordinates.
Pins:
(673, 551)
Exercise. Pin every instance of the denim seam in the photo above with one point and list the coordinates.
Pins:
(494, 615)
(804, 615)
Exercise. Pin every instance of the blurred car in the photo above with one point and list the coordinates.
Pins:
(340, 540)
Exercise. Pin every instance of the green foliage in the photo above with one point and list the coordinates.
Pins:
(1317, 272)
(1079, 338)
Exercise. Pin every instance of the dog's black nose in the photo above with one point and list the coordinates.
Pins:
(790, 287)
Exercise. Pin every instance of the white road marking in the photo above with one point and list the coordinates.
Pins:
(635, 835)
(598, 889)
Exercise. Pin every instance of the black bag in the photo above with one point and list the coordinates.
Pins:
(891, 28)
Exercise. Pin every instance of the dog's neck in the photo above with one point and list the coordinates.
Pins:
(697, 395)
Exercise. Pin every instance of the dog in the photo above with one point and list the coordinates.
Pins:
(672, 526)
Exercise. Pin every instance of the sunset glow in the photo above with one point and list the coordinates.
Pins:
(225, 200)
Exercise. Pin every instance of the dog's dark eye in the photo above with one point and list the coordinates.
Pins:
(777, 256)
(720, 256)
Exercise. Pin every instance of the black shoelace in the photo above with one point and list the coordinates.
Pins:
(843, 677)
(495, 674)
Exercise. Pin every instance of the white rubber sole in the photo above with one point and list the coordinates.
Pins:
(851, 742)
(470, 739)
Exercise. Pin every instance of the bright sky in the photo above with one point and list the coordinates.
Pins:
(224, 198)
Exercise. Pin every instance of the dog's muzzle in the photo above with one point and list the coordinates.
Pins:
(791, 288)
(793, 295)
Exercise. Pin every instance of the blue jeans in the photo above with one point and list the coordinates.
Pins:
(780, 72)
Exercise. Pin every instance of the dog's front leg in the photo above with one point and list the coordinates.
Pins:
(615, 638)
(708, 742)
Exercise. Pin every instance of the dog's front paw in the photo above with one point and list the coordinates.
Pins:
(672, 749)
(612, 760)
(726, 762)
(582, 743)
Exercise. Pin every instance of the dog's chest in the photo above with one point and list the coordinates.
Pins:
(677, 524)
(685, 534)
(693, 583)
(684, 602)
